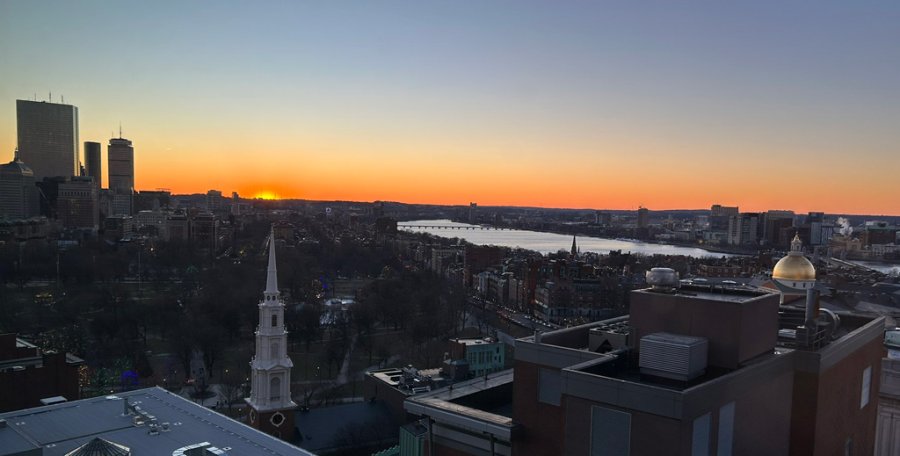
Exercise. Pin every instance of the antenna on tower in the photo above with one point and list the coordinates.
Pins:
(62, 99)
(120, 129)
(51, 96)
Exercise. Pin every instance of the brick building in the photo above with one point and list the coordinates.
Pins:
(28, 375)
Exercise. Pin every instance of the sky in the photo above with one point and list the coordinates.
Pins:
(606, 104)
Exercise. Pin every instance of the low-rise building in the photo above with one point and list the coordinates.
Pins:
(148, 421)
(483, 355)
(29, 376)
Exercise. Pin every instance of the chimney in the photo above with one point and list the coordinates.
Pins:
(812, 307)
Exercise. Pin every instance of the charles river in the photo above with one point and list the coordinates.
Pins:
(547, 242)
(550, 242)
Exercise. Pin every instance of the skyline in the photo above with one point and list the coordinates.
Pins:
(764, 106)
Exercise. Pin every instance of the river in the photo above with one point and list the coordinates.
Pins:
(549, 242)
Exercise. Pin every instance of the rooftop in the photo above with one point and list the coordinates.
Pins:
(61, 428)
(714, 291)
(474, 341)
(483, 404)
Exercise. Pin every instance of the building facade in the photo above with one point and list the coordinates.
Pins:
(48, 138)
(78, 205)
(93, 165)
(18, 194)
(120, 155)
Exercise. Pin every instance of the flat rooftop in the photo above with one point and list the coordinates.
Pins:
(486, 399)
(713, 291)
(61, 428)
(475, 341)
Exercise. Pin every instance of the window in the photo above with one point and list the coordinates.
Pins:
(274, 320)
(726, 429)
(866, 387)
(700, 438)
(275, 389)
(610, 432)
(549, 386)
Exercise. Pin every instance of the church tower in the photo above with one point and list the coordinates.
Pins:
(271, 407)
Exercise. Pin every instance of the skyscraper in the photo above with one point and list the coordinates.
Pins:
(48, 138)
(120, 154)
(93, 165)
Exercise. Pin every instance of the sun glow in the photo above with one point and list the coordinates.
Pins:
(266, 195)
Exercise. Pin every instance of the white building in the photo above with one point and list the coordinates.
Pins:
(271, 407)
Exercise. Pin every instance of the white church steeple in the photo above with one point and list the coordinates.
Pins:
(270, 386)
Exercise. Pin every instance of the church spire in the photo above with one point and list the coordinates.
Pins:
(574, 248)
(272, 275)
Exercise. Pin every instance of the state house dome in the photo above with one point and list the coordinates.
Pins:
(795, 270)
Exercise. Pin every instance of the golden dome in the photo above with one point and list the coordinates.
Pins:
(794, 267)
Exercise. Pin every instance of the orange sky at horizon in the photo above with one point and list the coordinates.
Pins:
(618, 172)
(586, 105)
(489, 182)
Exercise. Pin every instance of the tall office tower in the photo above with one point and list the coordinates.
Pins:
(48, 138)
(18, 195)
(93, 165)
(121, 175)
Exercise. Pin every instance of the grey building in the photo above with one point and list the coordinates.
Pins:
(48, 138)
(93, 165)
(120, 155)
(18, 194)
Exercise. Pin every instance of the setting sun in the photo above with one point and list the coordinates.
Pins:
(266, 195)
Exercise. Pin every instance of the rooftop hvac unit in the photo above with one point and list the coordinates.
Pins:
(673, 356)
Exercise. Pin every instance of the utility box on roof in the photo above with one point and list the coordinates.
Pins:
(673, 356)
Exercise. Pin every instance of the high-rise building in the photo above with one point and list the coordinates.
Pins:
(643, 217)
(120, 155)
(214, 201)
(93, 165)
(48, 138)
(744, 229)
(77, 204)
(271, 408)
(18, 194)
